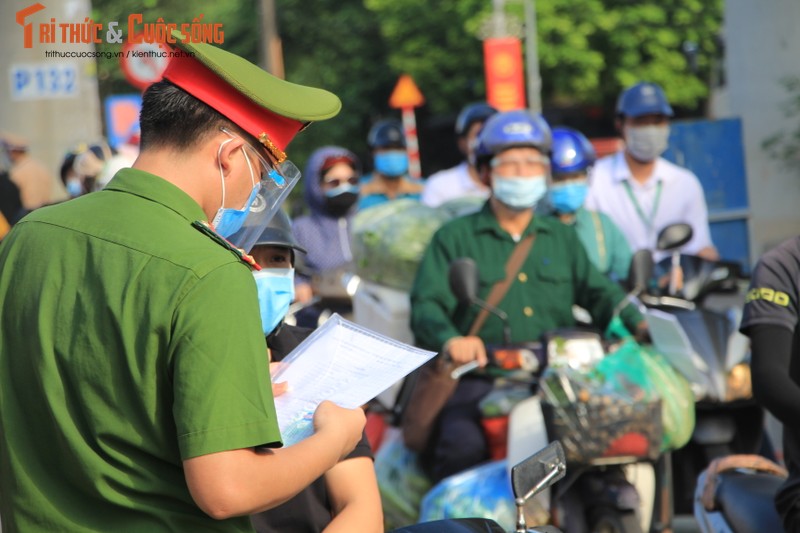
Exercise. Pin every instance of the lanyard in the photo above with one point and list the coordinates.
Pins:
(600, 240)
(648, 221)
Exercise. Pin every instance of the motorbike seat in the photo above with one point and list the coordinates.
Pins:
(746, 500)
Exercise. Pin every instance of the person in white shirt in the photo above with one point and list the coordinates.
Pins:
(461, 180)
(641, 191)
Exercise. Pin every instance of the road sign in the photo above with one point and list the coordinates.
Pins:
(406, 94)
(122, 117)
(144, 63)
(42, 81)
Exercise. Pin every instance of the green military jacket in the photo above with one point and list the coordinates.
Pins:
(130, 341)
(556, 275)
(604, 243)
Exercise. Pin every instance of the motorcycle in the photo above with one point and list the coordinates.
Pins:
(702, 341)
(333, 293)
(528, 478)
(736, 494)
(596, 496)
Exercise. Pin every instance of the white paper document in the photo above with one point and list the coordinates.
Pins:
(341, 362)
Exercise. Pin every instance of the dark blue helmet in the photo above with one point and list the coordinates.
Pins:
(386, 134)
(512, 129)
(472, 113)
(644, 98)
(572, 151)
(279, 233)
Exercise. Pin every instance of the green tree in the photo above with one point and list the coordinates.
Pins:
(588, 50)
(785, 145)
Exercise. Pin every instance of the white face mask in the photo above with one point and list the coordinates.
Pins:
(645, 143)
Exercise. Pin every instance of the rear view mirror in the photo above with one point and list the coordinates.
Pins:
(538, 471)
(641, 271)
(674, 236)
(463, 278)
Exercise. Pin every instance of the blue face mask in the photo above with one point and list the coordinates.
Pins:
(275, 294)
(229, 220)
(568, 197)
(392, 163)
(519, 193)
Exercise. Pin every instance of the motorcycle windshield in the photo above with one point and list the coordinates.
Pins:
(709, 333)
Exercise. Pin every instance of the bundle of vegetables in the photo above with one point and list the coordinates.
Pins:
(389, 239)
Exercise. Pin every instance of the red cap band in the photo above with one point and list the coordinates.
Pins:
(201, 82)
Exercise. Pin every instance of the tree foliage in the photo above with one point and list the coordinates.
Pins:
(588, 50)
(785, 145)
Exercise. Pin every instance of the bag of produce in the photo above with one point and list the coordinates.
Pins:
(597, 418)
(390, 238)
(481, 492)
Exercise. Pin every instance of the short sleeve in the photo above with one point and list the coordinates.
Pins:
(697, 216)
(773, 295)
(223, 394)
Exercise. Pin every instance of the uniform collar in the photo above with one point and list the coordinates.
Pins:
(620, 171)
(487, 222)
(156, 189)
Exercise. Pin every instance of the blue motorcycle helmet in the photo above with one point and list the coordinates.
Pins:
(386, 134)
(572, 152)
(644, 98)
(470, 114)
(511, 129)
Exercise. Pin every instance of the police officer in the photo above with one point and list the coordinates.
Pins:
(461, 180)
(572, 158)
(512, 158)
(389, 179)
(134, 384)
(641, 191)
(770, 320)
(351, 484)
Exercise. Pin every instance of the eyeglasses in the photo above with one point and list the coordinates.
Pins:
(338, 182)
(278, 173)
(521, 166)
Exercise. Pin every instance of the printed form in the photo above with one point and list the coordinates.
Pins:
(341, 362)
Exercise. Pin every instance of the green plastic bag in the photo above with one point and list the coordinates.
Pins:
(401, 482)
(641, 366)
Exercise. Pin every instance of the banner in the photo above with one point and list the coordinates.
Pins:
(505, 85)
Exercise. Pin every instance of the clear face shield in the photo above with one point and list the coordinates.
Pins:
(277, 181)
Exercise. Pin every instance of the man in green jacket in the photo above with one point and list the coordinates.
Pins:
(512, 152)
(134, 382)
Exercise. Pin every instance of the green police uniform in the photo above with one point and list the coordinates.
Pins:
(604, 243)
(140, 348)
(556, 274)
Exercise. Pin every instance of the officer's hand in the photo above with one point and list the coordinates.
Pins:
(462, 350)
(278, 387)
(344, 426)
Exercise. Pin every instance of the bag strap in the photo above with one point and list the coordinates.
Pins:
(499, 290)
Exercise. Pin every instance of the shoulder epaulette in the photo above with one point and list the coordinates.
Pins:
(205, 228)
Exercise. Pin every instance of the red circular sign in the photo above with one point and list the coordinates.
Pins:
(144, 63)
